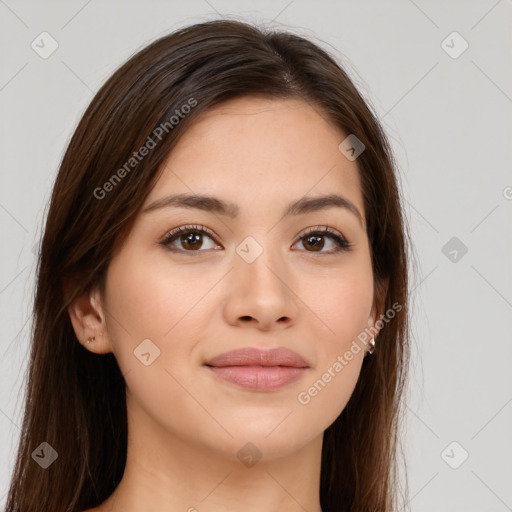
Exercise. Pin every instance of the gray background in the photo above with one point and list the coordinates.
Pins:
(448, 115)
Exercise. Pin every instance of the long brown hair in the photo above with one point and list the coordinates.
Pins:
(75, 400)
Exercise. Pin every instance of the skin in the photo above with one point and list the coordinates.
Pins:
(185, 425)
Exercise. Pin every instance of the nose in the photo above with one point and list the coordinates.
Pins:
(261, 293)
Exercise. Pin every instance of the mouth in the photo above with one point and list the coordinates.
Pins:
(257, 369)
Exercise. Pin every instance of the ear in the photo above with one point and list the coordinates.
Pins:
(379, 302)
(87, 316)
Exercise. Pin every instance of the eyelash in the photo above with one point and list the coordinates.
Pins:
(342, 244)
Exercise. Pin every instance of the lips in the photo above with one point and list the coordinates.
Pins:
(258, 370)
(258, 357)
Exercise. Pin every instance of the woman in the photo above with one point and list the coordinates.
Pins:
(221, 315)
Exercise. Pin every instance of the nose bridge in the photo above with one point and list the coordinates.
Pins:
(258, 261)
(259, 288)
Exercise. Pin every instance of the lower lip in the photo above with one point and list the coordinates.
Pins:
(258, 378)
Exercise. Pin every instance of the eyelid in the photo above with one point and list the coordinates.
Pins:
(323, 229)
(187, 228)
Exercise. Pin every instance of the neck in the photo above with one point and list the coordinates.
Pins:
(168, 473)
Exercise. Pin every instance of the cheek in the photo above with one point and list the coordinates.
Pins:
(152, 302)
(326, 394)
(157, 302)
(346, 306)
(146, 296)
(136, 299)
(344, 310)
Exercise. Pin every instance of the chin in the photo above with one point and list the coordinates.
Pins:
(275, 441)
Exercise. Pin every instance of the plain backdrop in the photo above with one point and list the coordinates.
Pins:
(438, 73)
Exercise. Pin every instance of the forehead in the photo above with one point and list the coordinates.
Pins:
(254, 149)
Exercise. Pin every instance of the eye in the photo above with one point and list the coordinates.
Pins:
(315, 237)
(190, 238)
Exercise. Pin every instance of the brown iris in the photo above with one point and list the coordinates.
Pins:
(192, 240)
(317, 242)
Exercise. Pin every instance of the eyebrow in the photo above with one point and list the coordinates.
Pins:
(229, 209)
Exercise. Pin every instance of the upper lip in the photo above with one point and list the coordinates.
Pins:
(252, 356)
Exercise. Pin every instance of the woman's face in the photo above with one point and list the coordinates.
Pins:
(255, 279)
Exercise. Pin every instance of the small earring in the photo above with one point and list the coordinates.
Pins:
(92, 338)
(371, 350)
